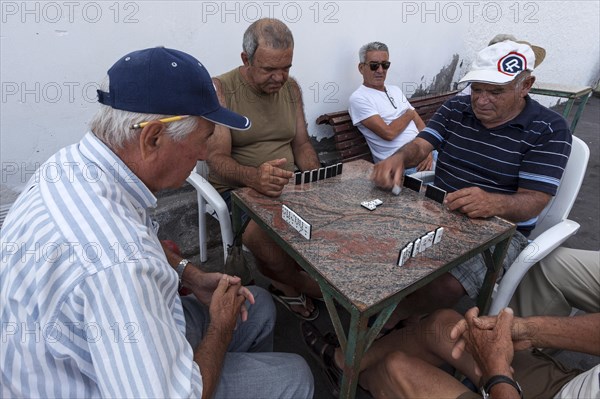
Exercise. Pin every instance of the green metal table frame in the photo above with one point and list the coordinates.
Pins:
(360, 336)
(570, 93)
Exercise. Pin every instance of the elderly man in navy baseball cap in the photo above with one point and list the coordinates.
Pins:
(108, 294)
(165, 81)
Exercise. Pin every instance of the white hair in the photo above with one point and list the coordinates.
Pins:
(113, 126)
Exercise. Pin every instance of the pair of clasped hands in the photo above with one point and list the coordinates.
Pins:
(223, 294)
(491, 340)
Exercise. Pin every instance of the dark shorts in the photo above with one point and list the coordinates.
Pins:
(227, 198)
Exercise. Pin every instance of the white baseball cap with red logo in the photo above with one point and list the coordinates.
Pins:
(500, 63)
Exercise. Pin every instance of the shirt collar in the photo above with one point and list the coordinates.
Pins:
(527, 114)
(116, 170)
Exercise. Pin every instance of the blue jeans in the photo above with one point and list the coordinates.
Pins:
(250, 369)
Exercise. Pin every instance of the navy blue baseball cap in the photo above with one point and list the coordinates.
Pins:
(164, 81)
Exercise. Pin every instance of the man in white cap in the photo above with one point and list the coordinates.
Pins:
(538, 52)
(500, 154)
(89, 296)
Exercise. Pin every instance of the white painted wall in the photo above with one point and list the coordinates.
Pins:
(53, 54)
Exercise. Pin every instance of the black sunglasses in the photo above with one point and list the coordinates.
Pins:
(375, 65)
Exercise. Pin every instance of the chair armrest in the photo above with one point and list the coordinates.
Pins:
(537, 250)
(208, 193)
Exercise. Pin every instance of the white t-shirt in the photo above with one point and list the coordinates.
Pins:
(366, 102)
(584, 386)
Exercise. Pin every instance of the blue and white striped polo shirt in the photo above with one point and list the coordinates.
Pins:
(89, 303)
(530, 151)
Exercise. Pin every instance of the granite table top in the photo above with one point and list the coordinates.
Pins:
(356, 250)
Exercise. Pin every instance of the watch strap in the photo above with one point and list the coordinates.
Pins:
(181, 267)
(500, 379)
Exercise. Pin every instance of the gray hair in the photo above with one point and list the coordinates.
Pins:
(502, 37)
(271, 32)
(113, 126)
(521, 78)
(373, 46)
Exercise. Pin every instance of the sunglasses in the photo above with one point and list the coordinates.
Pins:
(375, 65)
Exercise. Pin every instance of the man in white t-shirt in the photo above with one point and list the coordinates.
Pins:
(382, 113)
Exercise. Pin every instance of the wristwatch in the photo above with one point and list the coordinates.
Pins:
(180, 268)
(499, 379)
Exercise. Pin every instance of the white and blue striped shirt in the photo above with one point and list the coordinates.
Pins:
(89, 303)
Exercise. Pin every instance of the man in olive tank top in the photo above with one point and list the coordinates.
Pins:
(264, 157)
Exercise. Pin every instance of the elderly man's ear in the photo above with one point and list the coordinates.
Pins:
(152, 138)
(245, 59)
(527, 85)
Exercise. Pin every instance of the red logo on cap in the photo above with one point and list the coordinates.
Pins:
(512, 63)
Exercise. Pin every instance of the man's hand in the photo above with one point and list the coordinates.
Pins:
(389, 172)
(271, 177)
(204, 286)
(488, 340)
(473, 202)
(226, 304)
(516, 207)
(426, 164)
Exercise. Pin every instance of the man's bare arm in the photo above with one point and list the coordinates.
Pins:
(225, 297)
(305, 155)
(577, 333)
(210, 353)
(477, 203)
(389, 132)
(419, 122)
(389, 172)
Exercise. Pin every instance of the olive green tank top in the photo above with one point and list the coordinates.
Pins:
(273, 118)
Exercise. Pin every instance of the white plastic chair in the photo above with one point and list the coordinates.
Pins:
(211, 202)
(552, 229)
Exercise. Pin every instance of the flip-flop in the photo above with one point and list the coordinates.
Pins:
(289, 301)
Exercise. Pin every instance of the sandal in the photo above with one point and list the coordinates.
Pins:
(289, 301)
(322, 348)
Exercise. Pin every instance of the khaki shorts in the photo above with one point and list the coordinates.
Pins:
(539, 375)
